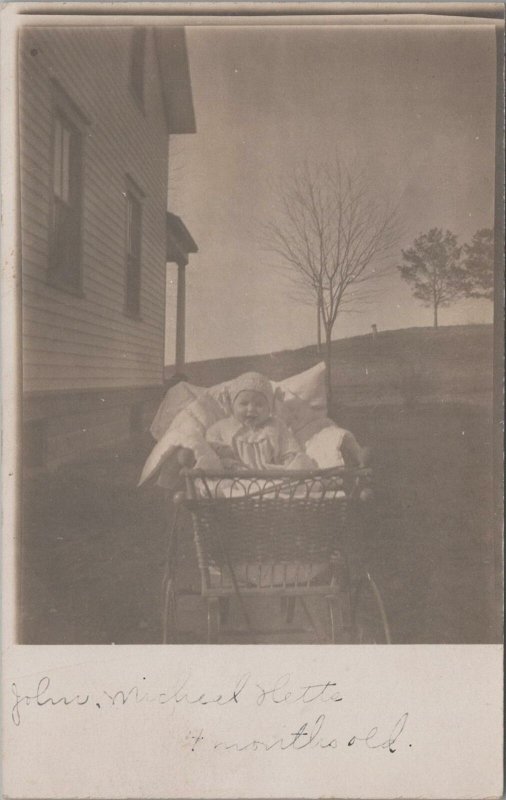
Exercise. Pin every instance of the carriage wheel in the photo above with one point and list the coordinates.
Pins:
(287, 608)
(169, 595)
(213, 620)
(369, 619)
(169, 622)
(339, 613)
(224, 609)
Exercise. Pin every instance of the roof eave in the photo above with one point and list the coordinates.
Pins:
(170, 42)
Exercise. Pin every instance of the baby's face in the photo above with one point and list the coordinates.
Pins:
(251, 408)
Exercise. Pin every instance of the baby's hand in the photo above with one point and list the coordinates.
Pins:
(231, 463)
(301, 461)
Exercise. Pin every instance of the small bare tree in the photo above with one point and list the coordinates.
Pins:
(332, 239)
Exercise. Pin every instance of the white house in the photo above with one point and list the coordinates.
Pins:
(96, 107)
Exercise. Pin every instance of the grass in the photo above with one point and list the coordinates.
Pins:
(450, 363)
(94, 546)
(431, 529)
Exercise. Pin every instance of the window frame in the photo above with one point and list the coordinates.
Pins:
(133, 193)
(65, 112)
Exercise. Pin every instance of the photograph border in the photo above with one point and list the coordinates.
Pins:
(16, 15)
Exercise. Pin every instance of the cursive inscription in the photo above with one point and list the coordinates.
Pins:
(183, 694)
(308, 735)
(323, 731)
(281, 692)
(42, 697)
(371, 739)
(312, 735)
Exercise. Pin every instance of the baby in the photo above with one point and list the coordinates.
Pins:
(253, 438)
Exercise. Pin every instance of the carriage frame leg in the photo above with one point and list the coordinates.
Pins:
(369, 618)
(169, 616)
(339, 608)
(213, 620)
(169, 592)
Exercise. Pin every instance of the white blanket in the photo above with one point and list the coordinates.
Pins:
(188, 411)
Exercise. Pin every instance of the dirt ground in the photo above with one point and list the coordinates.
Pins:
(93, 545)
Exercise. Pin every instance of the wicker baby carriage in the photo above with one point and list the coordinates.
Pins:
(277, 534)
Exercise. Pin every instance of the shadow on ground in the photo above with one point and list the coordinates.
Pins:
(93, 545)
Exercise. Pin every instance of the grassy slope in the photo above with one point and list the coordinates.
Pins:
(448, 363)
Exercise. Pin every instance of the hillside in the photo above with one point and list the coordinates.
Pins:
(448, 363)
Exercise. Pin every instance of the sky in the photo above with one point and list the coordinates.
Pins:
(412, 106)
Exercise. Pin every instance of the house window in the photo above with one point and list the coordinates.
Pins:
(137, 59)
(64, 266)
(133, 251)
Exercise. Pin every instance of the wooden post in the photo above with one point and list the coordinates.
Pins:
(180, 318)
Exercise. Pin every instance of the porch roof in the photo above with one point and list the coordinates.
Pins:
(180, 242)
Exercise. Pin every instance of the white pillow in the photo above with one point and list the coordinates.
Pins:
(176, 399)
(187, 411)
(309, 386)
(186, 431)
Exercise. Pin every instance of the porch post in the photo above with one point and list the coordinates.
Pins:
(180, 318)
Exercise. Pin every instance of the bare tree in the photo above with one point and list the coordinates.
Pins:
(332, 239)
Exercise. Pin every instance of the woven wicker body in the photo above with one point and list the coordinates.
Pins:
(274, 534)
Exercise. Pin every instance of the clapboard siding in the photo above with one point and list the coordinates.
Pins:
(75, 372)
(81, 325)
(102, 305)
(80, 352)
(100, 284)
(40, 344)
(34, 316)
(85, 342)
